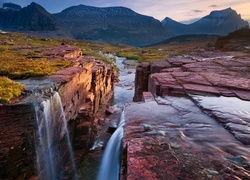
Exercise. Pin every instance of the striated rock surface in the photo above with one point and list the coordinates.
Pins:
(215, 73)
(83, 89)
(193, 118)
(171, 138)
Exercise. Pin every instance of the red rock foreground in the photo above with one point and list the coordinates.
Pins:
(83, 88)
(196, 125)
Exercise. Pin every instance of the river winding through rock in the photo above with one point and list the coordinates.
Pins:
(192, 137)
(123, 93)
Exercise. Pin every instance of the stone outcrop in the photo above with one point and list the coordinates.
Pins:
(193, 122)
(219, 74)
(83, 89)
(64, 51)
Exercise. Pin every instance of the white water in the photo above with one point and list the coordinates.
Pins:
(52, 127)
(110, 165)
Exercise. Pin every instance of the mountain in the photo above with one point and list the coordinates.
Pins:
(31, 18)
(175, 27)
(112, 24)
(217, 22)
(12, 6)
(235, 41)
(186, 38)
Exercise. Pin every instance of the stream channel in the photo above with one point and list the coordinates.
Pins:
(123, 93)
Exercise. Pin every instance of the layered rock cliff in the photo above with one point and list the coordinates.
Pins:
(83, 89)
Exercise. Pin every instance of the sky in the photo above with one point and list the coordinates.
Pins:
(185, 11)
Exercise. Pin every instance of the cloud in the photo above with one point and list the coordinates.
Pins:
(197, 11)
(213, 6)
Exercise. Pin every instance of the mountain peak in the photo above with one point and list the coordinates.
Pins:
(111, 24)
(219, 22)
(30, 18)
(223, 13)
(36, 6)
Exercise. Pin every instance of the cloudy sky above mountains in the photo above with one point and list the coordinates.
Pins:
(179, 10)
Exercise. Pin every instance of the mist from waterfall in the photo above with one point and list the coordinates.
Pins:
(52, 128)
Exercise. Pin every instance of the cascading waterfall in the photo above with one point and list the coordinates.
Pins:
(52, 128)
(110, 165)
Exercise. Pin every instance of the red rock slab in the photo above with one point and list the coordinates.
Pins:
(156, 67)
(177, 69)
(189, 77)
(225, 92)
(172, 89)
(231, 63)
(244, 95)
(148, 96)
(157, 80)
(155, 161)
(227, 81)
(177, 61)
(200, 89)
(64, 51)
(206, 66)
(245, 61)
(164, 84)
(178, 141)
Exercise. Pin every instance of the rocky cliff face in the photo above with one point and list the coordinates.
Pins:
(111, 24)
(83, 88)
(217, 22)
(17, 154)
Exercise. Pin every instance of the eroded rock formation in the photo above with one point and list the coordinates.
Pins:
(83, 88)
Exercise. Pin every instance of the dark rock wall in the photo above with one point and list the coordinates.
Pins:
(17, 154)
(141, 80)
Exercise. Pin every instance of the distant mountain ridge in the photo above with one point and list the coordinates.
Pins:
(31, 18)
(217, 22)
(119, 25)
(112, 24)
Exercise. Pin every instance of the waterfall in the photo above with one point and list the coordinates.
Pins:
(110, 165)
(52, 129)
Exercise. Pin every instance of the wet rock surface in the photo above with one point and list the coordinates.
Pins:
(177, 140)
(193, 118)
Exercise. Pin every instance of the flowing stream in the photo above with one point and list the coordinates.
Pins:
(123, 93)
(99, 164)
(52, 128)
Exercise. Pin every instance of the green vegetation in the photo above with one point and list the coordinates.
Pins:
(21, 56)
(19, 67)
(9, 89)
